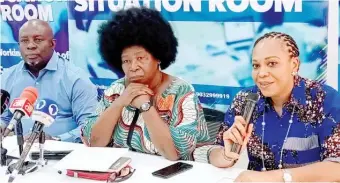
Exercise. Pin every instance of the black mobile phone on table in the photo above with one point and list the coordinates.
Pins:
(172, 170)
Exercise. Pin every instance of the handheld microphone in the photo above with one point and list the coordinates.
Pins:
(4, 100)
(251, 100)
(22, 106)
(44, 115)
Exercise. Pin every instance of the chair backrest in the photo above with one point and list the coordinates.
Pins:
(214, 119)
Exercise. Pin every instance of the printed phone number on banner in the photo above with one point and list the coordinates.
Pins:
(213, 95)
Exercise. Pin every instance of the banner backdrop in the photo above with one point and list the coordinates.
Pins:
(215, 37)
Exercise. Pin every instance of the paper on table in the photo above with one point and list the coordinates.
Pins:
(97, 159)
(50, 145)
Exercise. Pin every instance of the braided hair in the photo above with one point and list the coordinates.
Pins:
(285, 38)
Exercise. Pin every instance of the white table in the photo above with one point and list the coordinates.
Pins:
(143, 163)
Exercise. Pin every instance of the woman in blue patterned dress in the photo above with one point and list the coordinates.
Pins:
(294, 133)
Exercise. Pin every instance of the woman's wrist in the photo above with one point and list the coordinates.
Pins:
(118, 103)
(228, 159)
(219, 154)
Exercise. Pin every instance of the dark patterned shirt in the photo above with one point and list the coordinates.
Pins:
(313, 136)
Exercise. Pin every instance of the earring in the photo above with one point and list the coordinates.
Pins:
(294, 73)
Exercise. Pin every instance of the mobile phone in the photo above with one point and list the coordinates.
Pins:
(120, 164)
(172, 170)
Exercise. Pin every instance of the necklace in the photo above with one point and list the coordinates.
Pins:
(284, 141)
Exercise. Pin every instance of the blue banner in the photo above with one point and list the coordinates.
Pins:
(215, 38)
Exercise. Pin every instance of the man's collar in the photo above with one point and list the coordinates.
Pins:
(52, 64)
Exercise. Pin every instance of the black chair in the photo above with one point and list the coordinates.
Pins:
(214, 119)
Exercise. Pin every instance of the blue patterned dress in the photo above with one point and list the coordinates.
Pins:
(314, 135)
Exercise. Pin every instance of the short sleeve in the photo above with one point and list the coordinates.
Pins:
(102, 105)
(111, 94)
(329, 129)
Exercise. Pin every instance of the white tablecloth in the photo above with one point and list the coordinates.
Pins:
(144, 165)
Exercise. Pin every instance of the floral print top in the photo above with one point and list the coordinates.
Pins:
(314, 134)
(179, 108)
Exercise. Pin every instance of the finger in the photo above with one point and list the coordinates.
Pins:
(237, 135)
(137, 93)
(138, 86)
(144, 89)
(131, 85)
(226, 135)
(226, 139)
(132, 88)
(246, 139)
(250, 129)
(240, 119)
(241, 129)
(232, 155)
(147, 90)
(232, 137)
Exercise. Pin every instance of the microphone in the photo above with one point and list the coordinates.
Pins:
(22, 106)
(44, 115)
(251, 100)
(4, 100)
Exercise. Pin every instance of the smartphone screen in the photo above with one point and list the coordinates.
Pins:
(172, 170)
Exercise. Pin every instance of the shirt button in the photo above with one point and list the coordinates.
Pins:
(37, 83)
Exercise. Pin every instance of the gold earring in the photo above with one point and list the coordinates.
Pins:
(294, 73)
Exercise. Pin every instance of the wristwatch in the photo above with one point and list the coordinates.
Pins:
(287, 176)
(145, 107)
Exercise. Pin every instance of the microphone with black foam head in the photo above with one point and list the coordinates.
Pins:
(251, 100)
(22, 106)
(44, 115)
(4, 100)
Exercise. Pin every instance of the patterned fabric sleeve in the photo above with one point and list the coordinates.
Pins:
(201, 154)
(188, 126)
(108, 97)
(329, 131)
(91, 120)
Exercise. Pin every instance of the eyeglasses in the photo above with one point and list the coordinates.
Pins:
(122, 175)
